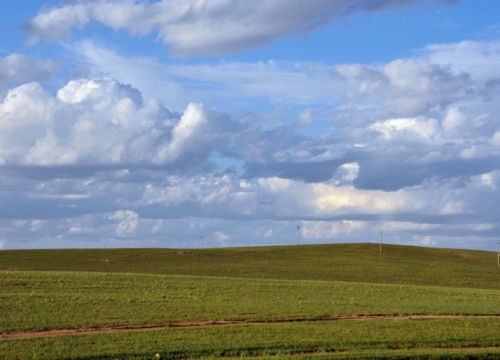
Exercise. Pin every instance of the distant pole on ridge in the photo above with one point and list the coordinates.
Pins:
(380, 246)
(498, 253)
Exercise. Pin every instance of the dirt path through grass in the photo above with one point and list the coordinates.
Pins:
(187, 324)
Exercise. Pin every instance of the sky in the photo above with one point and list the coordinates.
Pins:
(215, 123)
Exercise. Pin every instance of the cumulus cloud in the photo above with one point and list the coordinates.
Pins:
(194, 28)
(25, 112)
(67, 129)
(433, 125)
(277, 198)
(405, 87)
(150, 205)
(190, 126)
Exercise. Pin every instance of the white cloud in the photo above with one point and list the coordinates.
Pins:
(305, 118)
(417, 86)
(423, 129)
(295, 198)
(128, 221)
(75, 230)
(274, 197)
(350, 171)
(38, 129)
(229, 85)
(407, 226)
(58, 196)
(210, 195)
(99, 94)
(332, 200)
(346, 174)
(454, 122)
(55, 23)
(194, 28)
(25, 113)
(403, 88)
(18, 68)
(221, 237)
(185, 134)
(180, 209)
(329, 230)
(2, 244)
(477, 58)
(425, 241)
(37, 225)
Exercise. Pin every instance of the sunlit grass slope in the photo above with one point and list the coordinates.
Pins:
(52, 300)
(385, 339)
(344, 262)
(286, 296)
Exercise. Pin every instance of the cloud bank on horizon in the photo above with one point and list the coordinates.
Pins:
(181, 124)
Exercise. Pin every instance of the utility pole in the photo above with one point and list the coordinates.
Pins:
(381, 235)
(498, 253)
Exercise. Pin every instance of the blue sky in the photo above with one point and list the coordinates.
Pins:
(228, 123)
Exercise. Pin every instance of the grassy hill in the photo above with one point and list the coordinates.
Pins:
(345, 301)
(343, 262)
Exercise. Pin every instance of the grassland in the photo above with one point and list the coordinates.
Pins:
(341, 339)
(351, 263)
(283, 300)
(54, 300)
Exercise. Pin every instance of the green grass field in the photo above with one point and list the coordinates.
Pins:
(285, 300)
(352, 263)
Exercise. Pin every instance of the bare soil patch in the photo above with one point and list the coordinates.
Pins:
(186, 324)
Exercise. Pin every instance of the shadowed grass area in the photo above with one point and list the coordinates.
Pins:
(345, 262)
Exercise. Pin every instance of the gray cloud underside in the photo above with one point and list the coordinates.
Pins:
(18, 68)
(197, 28)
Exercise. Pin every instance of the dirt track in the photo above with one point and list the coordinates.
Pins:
(186, 324)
